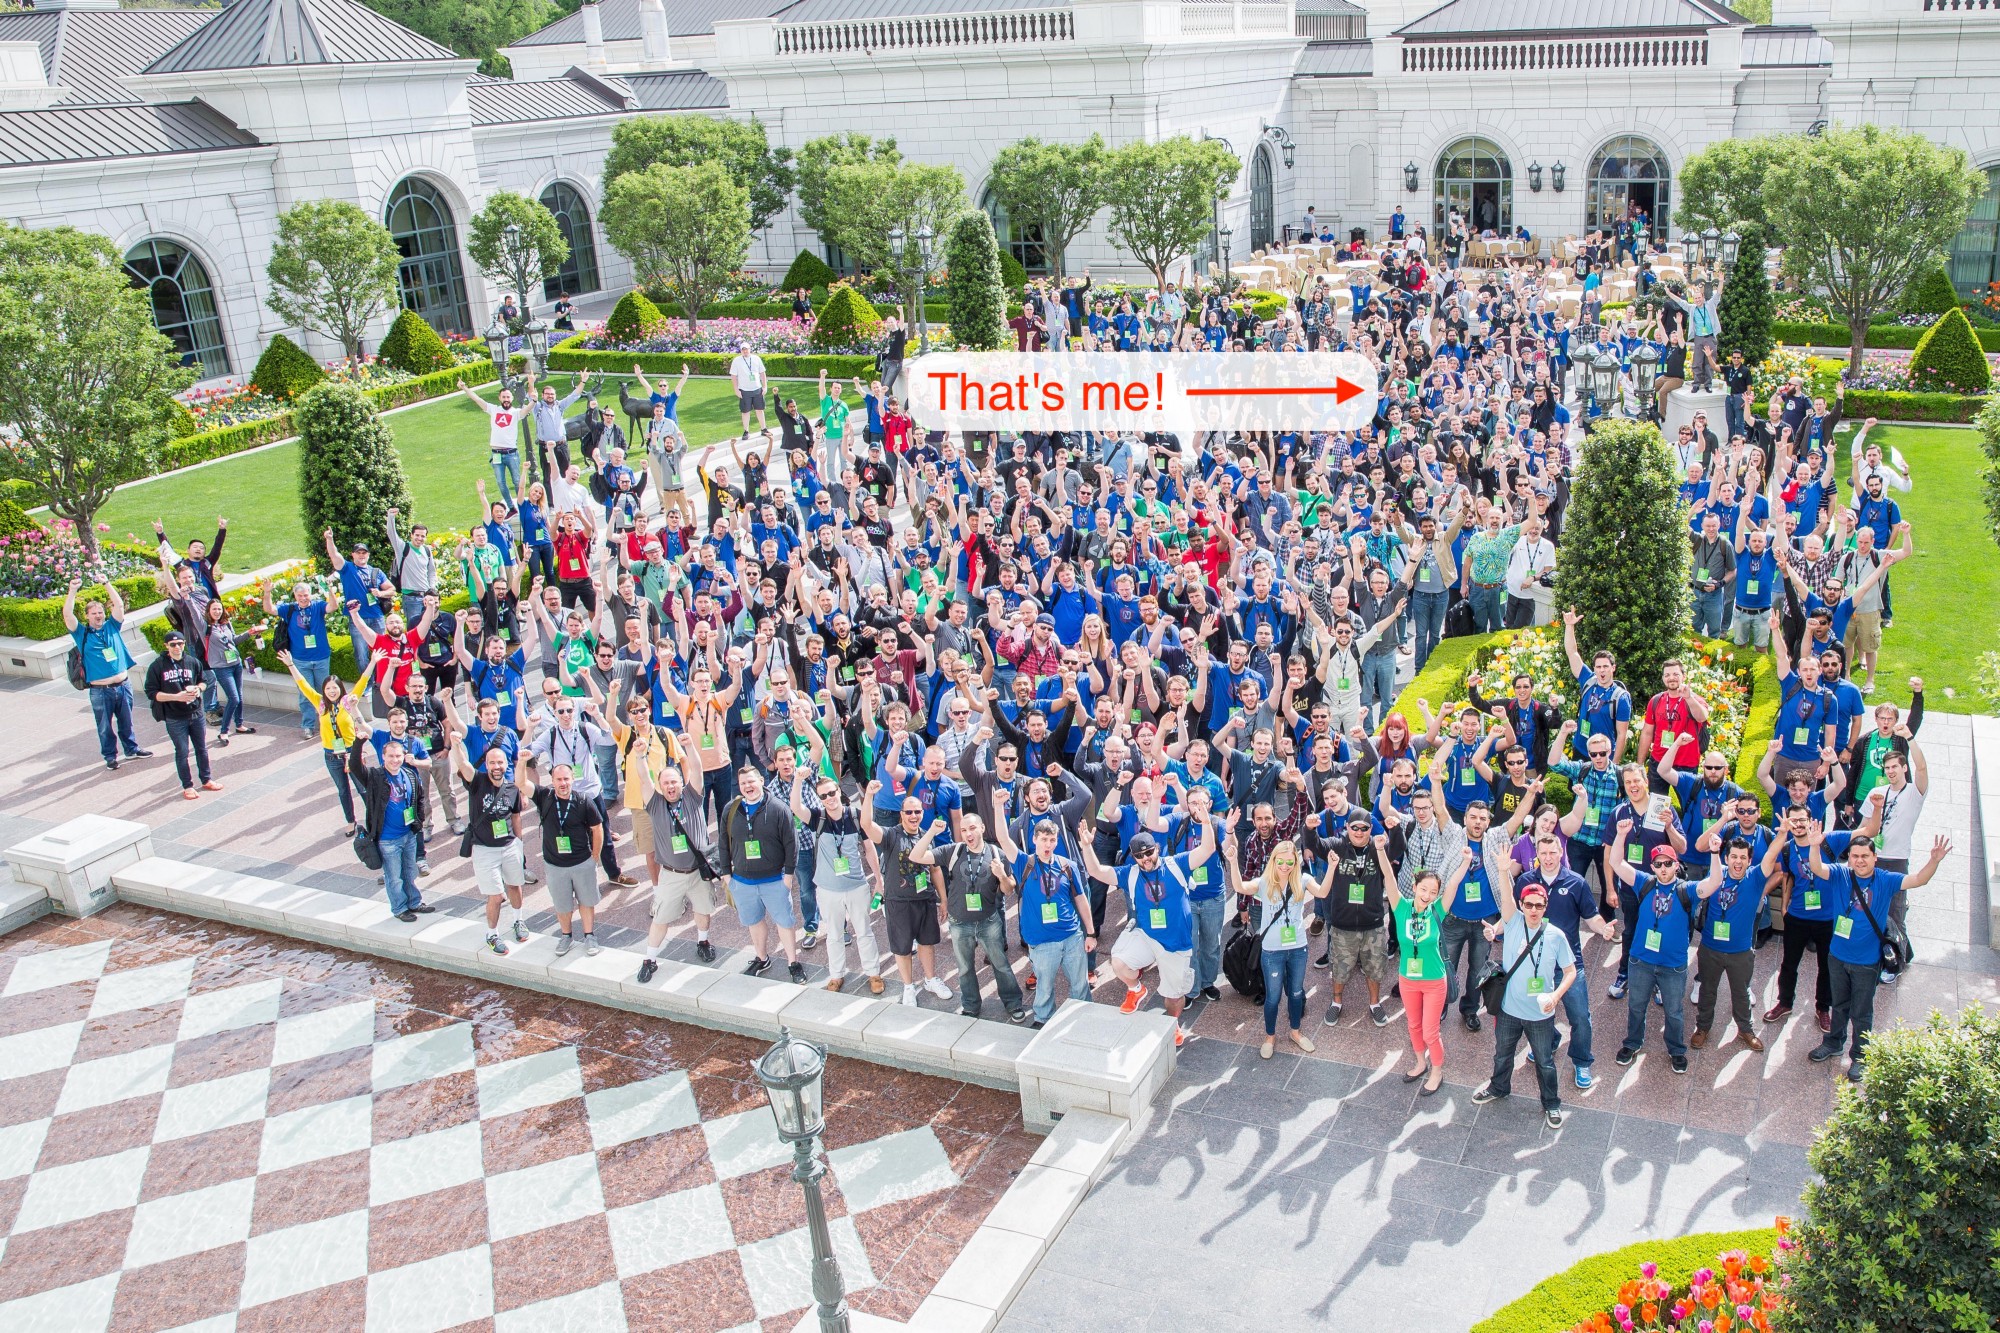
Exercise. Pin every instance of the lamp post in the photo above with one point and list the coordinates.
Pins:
(791, 1073)
(1732, 245)
(907, 250)
(1711, 244)
(1604, 380)
(1690, 251)
(1645, 370)
(496, 347)
(1227, 234)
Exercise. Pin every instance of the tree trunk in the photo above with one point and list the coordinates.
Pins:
(1857, 333)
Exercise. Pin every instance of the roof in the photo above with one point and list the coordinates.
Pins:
(1785, 48)
(96, 133)
(678, 90)
(1499, 18)
(844, 11)
(512, 102)
(1336, 60)
(251, 34)
(88, 51)
(620, 20)
(1316, 7)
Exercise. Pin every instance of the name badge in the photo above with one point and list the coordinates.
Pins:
(841, 866)
(1812, 900)
(1536, 985)
(1413, 966)
(500, 829)
(1345, 683)
(1750, 587)
(562, 844)
(1634, 852)
(1843, 926)
(753, 848)
(502, 697)
(1653, 941)
(1801, 735)
(1471, 892)
(975, 902)
(921, 881)
(1201, 874)
(1288, 933)
(680, 842)
(1157, 918)
(1357, 893)
(110, 654)
(1049, 914)
(1720, 929)
(312, 641)
(746, 717)
(1467, 777)
(708, 742)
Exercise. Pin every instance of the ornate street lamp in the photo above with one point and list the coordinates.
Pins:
(496, 347)
(791, 1073)
(1557, 173)
(1732, 245)
(1604, 380)
(1227, 233)
(535, 338)
(1690, 250)
(925, 254)
(1711, 244)
(1645, 369)
(1410, 177)
(1535, 177)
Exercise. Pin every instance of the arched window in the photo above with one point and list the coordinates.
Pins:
(1628, 175)
(183, 302)
(1263, 204)
(432, 277)
(1475, 177)
(1975, 251)
(579, 272)
(1023, 242)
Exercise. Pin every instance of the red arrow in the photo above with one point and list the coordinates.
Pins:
(1342, 390)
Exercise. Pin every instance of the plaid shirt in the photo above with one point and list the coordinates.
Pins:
(1254, 849)
(1433, 849)
(1601, 788)
(1028, 660)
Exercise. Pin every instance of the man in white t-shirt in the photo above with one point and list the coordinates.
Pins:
(746, 370)
(503, 439)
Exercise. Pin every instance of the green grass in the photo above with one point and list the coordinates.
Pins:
(1590, 1286)
(443, 446)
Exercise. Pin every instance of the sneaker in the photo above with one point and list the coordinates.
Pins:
(797, 972)
(1134, 997)
(1776, 1012)
(423, 909)
(704, 951)
(111, 765)
(563, 943)
(1332, 1014)
(1626, 1055)
(1857, 1070)
(493, 943)
(423, 867)
(910, 996)
(140, 754)
(1824, 1017)
(1378, 1016)
(1821, 1053)
(1485, 1094)
(937, 988)
(1678, 1063)
(1616, 990)
(1472, 1022)
(520, 931)
(1554, 1118)
(406, 916)
(590, 943)
(1316, 926)
(809, 940)
(1324, 961)
(758, 967)
(1584, 1079)
(648, 969)
(458, 828)
(1018, 1016)
(1210, 993)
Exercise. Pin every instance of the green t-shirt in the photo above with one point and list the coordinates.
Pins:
(834, 413)
(490, 562)
(1421, 935)
(576, 655)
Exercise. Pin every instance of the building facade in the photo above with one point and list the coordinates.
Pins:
(182, 134)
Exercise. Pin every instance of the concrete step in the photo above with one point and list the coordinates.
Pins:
(19, 903)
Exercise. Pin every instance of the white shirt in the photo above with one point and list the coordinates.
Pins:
(747, 369)
(1527, 561)
(503, 432)
(1899, 819)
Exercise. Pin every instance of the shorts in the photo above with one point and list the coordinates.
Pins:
(754, 902)
(912, 921)
(750, 400)
(496, 868)
(1363, 948)
(1139, 951)
(642, 828)
(1864, 632)
(678, 888)
(570, 885)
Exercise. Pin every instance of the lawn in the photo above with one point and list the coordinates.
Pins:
(443, 445)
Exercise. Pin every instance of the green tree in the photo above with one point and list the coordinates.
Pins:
(333, 270)
(1949, 358)
(739, 146)
(634, 317)
(85, 379)
(1625, 554)
(1722, 186)
(1931, 293)
(847, 320)
(1746, 309)
(685, 228)
(412, 345)
(349, 473)
(284, 370)
(1903, 1218)
(820, 156)
(978, 305)
(475, 29)
(1162, 197)
(867, 201)
(1860, 212)
(1057, 187)
(518, 242)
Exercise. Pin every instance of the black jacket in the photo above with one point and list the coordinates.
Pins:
(374, 784)
(772, 829)
(158, 682)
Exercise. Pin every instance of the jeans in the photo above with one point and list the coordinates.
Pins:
(1628, 912)
(111, 709)
(336, 768)
(1208, 914)
(606, 758)
(507, 474)
(313, 674)
(990, 935)
(1711, 612)
(542, 561)
(1485, 609)
(1427, 617)
(230, 678)
(189, 733)
(1062, 957)
(399, 873)
(1672, 983)
(1751, 628)
(1732, 412)
(1378, 683)
(803, 872)
(1576, 1008)
(1854, 988)
(1541, 1035)
(1463, 936)
(1284, 970)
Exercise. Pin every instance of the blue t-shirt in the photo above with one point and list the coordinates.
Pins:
(1048, 898)
(1803, 717)
(1159, 901)
(1702, 807)
(1662, 925)
(104, 651)
(1475, 900)
(396, 818)
(1462, 783)
(1731, 924)
(939, 796)
(1599, 711)
(1814, 899)
(306, 628)
(356, 586)
(1539, 973)
(1863, 913)
(1755, 577)
(478, 741)
(503, 685)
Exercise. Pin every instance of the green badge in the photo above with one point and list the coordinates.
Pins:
(562, 844)
(500, 829)
(502, 698)
(1157, 918)
(1634, 852)
(842, 866)
(1471, 891)
(921, 881)
(746, 717)
(680, 842)
(1652, 941)
(1536, 985)
(975, 902)
(1466, 777)
(753, 848)
(1288, 934)
(1750, 588)
(1357, 893)
(1812, 900)
(1720, 929)
(1048, 914)
(1801, 735)
(1345, 683)
(1201, 874)
(1413, 966)
(1843, 927)
(311, 641)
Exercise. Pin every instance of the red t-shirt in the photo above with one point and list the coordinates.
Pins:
(572, 557)
(896, 433)
(1668, 714)
(394, 656)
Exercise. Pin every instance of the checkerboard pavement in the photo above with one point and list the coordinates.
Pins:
(208, 1128)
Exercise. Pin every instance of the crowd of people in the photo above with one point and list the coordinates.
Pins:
(1124, 709)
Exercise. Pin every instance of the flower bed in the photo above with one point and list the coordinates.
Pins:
(575, 354)
(1589, 1295)
(39, 562)
(1833, 334)
(238, 404)
(723, 337)
(1882, 389)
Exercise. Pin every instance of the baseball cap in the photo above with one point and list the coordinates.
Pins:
(1142, 844)
(1360, 817)
(1665, 853)
(1533, 891)
(175, 636)
(1046, 619)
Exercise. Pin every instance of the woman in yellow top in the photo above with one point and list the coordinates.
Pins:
(336, 733)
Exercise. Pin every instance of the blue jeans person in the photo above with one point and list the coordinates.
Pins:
(343, 785)
(1463, 937)
(1576, 1008)
(990, 935)
(1671, 982)
(1711, 612)
(1427, 617)
(313, 674)
(1208, 914)
(1732, 412)
(1486, 609)
(808, 891)
(506, 470)
(111, 709)
(1284, 972)
(1378, 683)
(1062, 957)
(189, 733)
(399, 873)
(1541, 1035)
(230, 678)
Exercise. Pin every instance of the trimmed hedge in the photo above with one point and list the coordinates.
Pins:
(1944, 408)
(1882, 337)
(1949, 354)
(809, 271)
(571, 356)
(845, 320)
(344, 663)
(1591, 1286)
(284, 370)
(14, 519)
(414, 346)
(634, 317)
(41, 618)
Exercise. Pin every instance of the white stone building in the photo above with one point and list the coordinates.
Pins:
(181, 134)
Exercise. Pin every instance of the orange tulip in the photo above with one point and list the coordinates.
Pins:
(1784, 1225)
(1759, 1264)
(1649, 1312)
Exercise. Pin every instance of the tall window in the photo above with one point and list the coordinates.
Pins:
(1023, 242)
(1263, 205)
(579, 271)
(183, 302)
(1476, 178)
(1628, 176)
(433, 279)
(1975, 251)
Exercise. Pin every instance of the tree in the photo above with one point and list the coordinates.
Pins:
(1625, 552)
(284, 370)
(1746, 309)
(1163, 194)
(1722, 186)
(847, 320)
(820, 156)
(1948, 358)
(1862, 211)
(1931, 293)
(518, 242)
(1056, 187)
(412, 345)
(809, 271)
(475, 29)
(739, 146)
(1902, 1214)
(86, 380)
(333, 270)
(978, 305)
(633, 318)
(866, 201)
(686, 228)
(349, 473)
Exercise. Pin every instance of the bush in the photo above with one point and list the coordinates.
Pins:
(285, 371)
(1590, 1286)
(845, 320)
(414, 346)
(1902, 1219)
(1265, 305)
(1989, 444)
(1931, 294)
(572, 355)
(633, 318)
(40, 618)
(808, 270)
(181, 421)
(349, 472)
(1013, 277)
(14, 519)
(1941, 407)
(1949, 357)
(1746, 309)
(972, 258)
(1883, 337)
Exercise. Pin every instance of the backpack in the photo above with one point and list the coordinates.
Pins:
(1243, 963)
(281, 628)
(79, 679)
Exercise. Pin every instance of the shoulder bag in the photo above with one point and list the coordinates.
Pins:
(1493, 979)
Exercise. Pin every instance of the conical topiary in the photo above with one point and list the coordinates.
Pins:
(14, 519)
(1949, 358)
(978, 306)
(846, 320)
(1746, 309)
(285, 371)
(1931, 294)
(808, 271)
(181, 421)
(634, 318)
(414, 347)
(349, 472)
(1012, 276)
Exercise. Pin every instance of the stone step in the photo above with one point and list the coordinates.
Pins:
(19, 903)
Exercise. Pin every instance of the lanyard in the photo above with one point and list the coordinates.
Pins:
(1151, 879)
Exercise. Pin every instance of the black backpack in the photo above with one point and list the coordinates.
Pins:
(79, 678)
(1243, 963)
